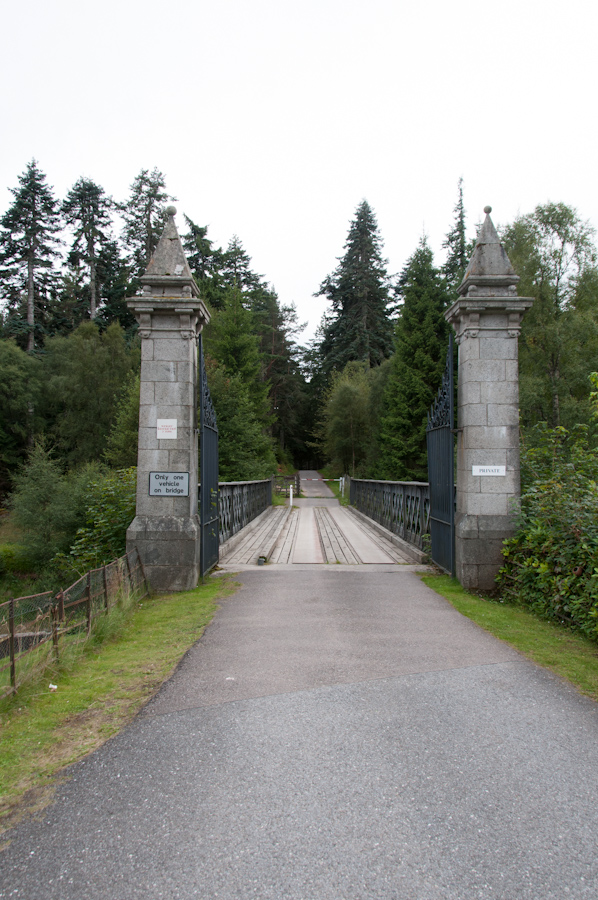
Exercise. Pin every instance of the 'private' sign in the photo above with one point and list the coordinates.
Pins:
(489, 470)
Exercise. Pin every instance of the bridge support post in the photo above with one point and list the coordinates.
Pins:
(487, 320)
(166, 528)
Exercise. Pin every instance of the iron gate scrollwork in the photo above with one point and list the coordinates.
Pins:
(208, 494)
(441, 472)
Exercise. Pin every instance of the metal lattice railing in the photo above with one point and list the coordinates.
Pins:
(239, 502)
(402, 507)
(36, 630)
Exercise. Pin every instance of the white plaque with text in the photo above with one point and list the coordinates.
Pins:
(169, 484)
(166, 429)
(495, 471)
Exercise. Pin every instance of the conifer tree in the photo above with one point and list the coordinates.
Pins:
(359, 326)
(87, 209)
(456, 244)
(144, 215)
(28, 247)
(415, 369)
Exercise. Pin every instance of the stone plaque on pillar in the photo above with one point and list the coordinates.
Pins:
(487, 319)
(170, 314)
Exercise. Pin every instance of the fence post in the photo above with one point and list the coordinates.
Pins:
(129, 570)
(60, 598)
(11, 643)
(55, 620)
(147, 590)
(106, 601)
(88, 602)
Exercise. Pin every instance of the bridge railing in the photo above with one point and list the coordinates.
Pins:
(402, 507)
(239, 502)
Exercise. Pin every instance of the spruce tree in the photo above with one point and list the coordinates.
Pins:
(28, 247)
(359, 327)
(457, 246)
(87, 210)
(415, 370)
(144, 214)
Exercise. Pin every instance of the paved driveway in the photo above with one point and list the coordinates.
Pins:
(339, 733)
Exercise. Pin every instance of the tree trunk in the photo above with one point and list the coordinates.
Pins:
(30, 304)
(93, 304)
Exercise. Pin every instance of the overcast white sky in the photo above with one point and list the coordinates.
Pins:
(272, 120)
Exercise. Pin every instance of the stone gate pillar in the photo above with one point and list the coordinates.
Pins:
(487, 320)
(170, 315)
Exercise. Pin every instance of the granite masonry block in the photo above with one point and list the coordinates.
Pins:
(146, 394)
(185, 372)
(497, 528)
(147, 350)
(498, 348)
(147, 438)
(473, 414)
(470, 551)
(164, 579)
(489, 438)
(475, 457)
(469, 349)
(487, 504)
(175, 394)
(174, 350)
(469, 392)
(512, 371)
(155, 460)
(159, 371)
(503, 414)
(499, 392)
(148, 417)
(179, 460)
(467, 575)
(502, 484)
(466, 527)
(482, 370)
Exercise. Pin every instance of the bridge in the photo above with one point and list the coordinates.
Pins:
(315, 530)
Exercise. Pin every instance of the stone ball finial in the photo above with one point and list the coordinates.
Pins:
(171, 210)
(487, 210)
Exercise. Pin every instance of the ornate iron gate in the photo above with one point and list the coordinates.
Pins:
(208, 494)
(441, 472)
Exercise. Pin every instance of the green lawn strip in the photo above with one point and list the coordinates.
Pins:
(336, 490)
(570, 655)
(97, 693)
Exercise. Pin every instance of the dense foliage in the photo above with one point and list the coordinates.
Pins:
(358, 327)
(415, 369)
(551, 564)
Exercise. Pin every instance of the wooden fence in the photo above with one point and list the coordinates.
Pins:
(35, 630)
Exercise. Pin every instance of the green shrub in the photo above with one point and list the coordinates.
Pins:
(49, 505)
(551, 564)
(110, 509)
(70, 521)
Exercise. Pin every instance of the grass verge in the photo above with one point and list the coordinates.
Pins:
(336, 490)
(41, 731)
(570, 655)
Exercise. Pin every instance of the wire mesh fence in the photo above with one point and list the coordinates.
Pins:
(36, 631)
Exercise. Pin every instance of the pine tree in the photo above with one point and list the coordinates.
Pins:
(206, 262)
(457, 246)
(359, 326)
(28, 246)
(416, 369)
(144, 215)
(87, 210)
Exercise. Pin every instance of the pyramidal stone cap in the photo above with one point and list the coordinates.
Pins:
(489, 268)
(168, 272)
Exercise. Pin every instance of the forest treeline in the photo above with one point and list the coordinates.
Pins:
(355, 399)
